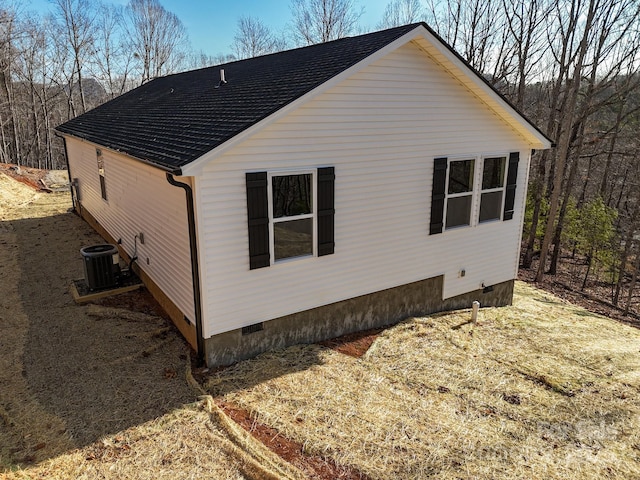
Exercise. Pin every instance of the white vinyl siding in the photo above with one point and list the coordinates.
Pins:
(140, 200)
(381, 129)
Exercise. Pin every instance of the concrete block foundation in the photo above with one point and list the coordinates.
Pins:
(377, 309)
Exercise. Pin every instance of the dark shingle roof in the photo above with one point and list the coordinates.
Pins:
(174, 120)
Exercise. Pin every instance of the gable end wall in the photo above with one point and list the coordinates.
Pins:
(381, 130)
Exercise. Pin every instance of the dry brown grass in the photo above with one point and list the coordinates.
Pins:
(196, 441)
(538, 390)
(97, 392)
(541, 389)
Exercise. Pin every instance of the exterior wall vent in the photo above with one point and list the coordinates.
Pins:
(256, 327)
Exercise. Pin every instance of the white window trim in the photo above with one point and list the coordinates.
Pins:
(472, 193)
(490, 190)
(313, 214)
(477, 191)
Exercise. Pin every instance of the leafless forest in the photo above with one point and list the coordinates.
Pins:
(572, 66)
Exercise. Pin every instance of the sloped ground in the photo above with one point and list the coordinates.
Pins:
(81, 376)
(542, 389)
(90, 391)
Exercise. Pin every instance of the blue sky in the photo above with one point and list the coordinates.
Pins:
(211, 24)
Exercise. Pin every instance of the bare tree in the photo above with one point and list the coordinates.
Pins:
(524, 19)
(254, 38)
(319, 21)
(76, 22)
(112, 60)
(599, 44)
(475, 28)
(9, 125)
(157, 38)
(401, 12)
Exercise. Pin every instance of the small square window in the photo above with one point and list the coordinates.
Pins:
(493, 173)
(293, 238)
(490, 206)
(459, 211)
(460, 176)
(291, 195)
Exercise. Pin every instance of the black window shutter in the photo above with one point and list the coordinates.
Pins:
(512, 180)
(437, 195)
(258, 214)
(326, 210)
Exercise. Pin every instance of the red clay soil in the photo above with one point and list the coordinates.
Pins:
(28, 176)
(353, 344)
(314, 466)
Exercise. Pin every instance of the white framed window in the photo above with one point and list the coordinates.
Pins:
(459, 192)
(492, 188)
(471, 190)
(292, 215)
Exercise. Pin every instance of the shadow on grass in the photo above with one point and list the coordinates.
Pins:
(93, 375)
(97, 374)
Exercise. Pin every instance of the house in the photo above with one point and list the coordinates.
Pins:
(307, 194)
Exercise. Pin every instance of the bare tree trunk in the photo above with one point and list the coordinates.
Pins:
(634, 280)
(557, 238)
(605, 176)
(586, 275)
(628, 243)
(564, 144)
(531, 239)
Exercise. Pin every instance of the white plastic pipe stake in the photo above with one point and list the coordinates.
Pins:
(474, 313)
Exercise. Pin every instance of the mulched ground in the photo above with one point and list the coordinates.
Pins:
(71, 376)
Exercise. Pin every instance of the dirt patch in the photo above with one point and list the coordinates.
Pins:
(313, 466)
(137, 301)
(33, 177)
(353, 344)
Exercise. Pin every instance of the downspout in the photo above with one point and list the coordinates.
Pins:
(195, 270)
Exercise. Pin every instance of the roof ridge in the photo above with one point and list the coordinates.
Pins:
(400, 28)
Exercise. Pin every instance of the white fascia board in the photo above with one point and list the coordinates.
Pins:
(195, 167)
(465, 75)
